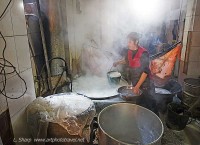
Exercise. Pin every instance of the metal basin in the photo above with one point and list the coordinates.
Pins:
(96, 88)
(126, 93)
(125, 123)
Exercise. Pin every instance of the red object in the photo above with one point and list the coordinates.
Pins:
(135, 62)
(162, 67)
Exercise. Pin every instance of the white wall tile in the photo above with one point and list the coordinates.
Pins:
(3, 103)
(194, 54)
(195, 39)
(1, 79)
(197, 13)
(193, 68)
(10, 54)
(18, 18)
(20, 127)
(15, 105)
(23, 53)
(30, 93)
(13, 86)
(14, 90)
(196, 23)
(3, 4)
(182, 75)
(5, 22)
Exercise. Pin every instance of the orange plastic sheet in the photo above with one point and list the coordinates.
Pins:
(162, 67)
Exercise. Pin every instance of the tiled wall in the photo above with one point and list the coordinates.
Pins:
(13, 27)
(190, 57)
(194, 53)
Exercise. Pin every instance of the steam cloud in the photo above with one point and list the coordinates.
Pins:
(98, 29)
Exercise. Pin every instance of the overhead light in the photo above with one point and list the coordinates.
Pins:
(21, 5)
(146, 9)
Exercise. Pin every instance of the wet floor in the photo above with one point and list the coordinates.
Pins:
(189, 136)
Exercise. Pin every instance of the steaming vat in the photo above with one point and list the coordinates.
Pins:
(96, 87)
(130, 124)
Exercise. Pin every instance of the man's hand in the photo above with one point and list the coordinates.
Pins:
(115, 64)
(136, 90)
(122, 61)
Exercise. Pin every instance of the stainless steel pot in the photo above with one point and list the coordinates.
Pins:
(112, 79)
(129, 124)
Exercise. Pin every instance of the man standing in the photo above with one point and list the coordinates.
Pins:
(137, 60)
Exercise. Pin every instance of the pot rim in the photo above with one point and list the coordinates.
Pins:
(128, 98)
(191, 85)
(108, 73)
(128, 87)
(130, 105)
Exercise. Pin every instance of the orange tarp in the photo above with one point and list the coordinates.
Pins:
(163, 66)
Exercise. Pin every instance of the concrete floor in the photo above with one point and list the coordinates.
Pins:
(189, 136)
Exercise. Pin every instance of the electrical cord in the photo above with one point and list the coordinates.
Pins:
(5, 9)
(3, 67)
(65, 69)
(7, 64)
(54, 90)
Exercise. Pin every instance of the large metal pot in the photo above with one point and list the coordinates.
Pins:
(129, 124)
(191, 91)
